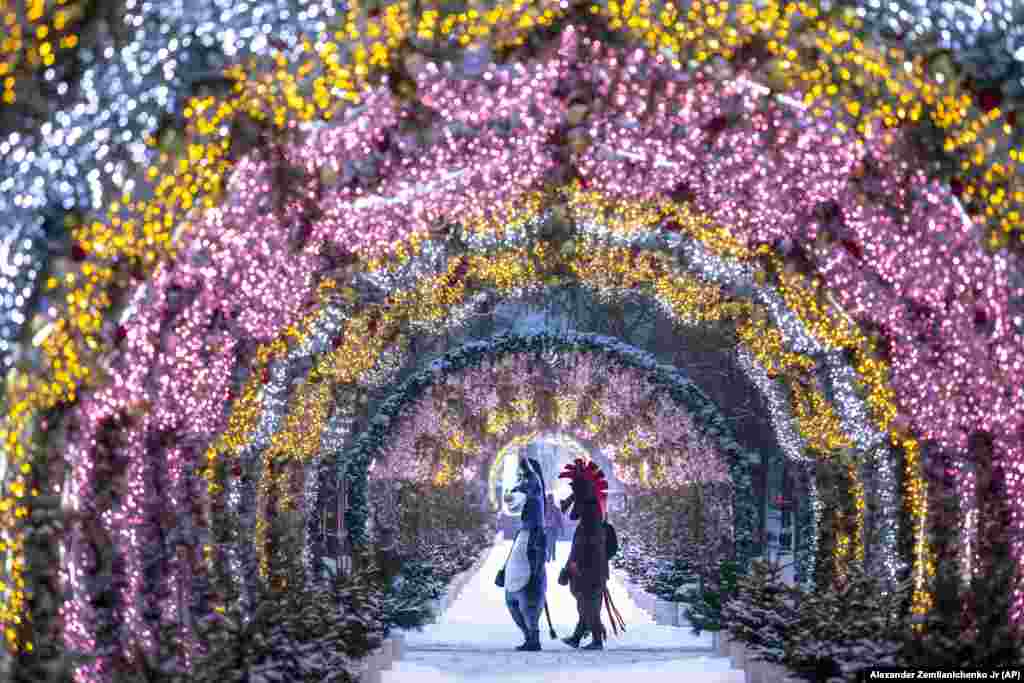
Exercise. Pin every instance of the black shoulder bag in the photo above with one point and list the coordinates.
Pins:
(499, 580)
(611, 540)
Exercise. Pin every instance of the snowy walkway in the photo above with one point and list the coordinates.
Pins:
(475, 640)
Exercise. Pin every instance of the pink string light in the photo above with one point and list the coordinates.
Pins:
(767, 172)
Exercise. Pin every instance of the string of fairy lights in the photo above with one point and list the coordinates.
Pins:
(336, 432)
(886, 495)
(276, 406)
(988, 38)
(467, 439)
(281, 404)
(236, 550)
(744, 201)
(663, 303)
(90, 148)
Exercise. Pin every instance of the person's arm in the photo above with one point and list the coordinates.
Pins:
(554, 518)
(574, 551)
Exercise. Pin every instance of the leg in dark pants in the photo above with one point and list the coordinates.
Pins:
(580, 631)
(588, 603)
(552, 538)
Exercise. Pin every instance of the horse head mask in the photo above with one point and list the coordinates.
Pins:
(589, 489)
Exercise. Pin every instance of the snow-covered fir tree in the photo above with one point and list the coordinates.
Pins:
(763, 612)
(704, 611)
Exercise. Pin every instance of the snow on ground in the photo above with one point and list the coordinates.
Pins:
(692, 670)
(475, 640)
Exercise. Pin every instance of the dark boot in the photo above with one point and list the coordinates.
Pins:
(596, 644)
(532, 643)
(576, 637)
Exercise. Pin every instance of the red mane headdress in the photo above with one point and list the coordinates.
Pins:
(592, 473)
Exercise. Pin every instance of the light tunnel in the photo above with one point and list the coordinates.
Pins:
(266, 353)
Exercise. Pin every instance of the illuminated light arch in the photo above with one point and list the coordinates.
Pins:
(509, 398)
(422, 296)
(59, 387)
(279, 371)
(359, 332)
(660, 380)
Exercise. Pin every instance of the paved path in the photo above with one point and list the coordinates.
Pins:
(475, 640)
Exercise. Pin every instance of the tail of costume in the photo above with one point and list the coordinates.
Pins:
(613, 614)
(554, 636)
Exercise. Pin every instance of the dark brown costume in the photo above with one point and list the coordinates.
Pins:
(587, 568)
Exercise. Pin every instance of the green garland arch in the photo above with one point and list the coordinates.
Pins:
(353, 462)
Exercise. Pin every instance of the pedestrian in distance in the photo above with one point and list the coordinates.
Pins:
(554, 525)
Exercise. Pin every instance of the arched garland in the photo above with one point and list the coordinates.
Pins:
(603, 267)
(422, 300)
(357, 457)
(481, 408)
(73, 375)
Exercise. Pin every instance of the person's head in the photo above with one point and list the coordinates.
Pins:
(584, 499)
(529, 469)
(583, 490)
(550, 498)
(589, 490)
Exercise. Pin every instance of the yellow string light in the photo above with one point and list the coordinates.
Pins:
(851, 84)
(615, 268)
(915, 496)
(857, 491)
(34, 34)
(871, 89)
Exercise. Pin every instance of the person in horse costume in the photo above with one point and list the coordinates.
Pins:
(586, 572)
